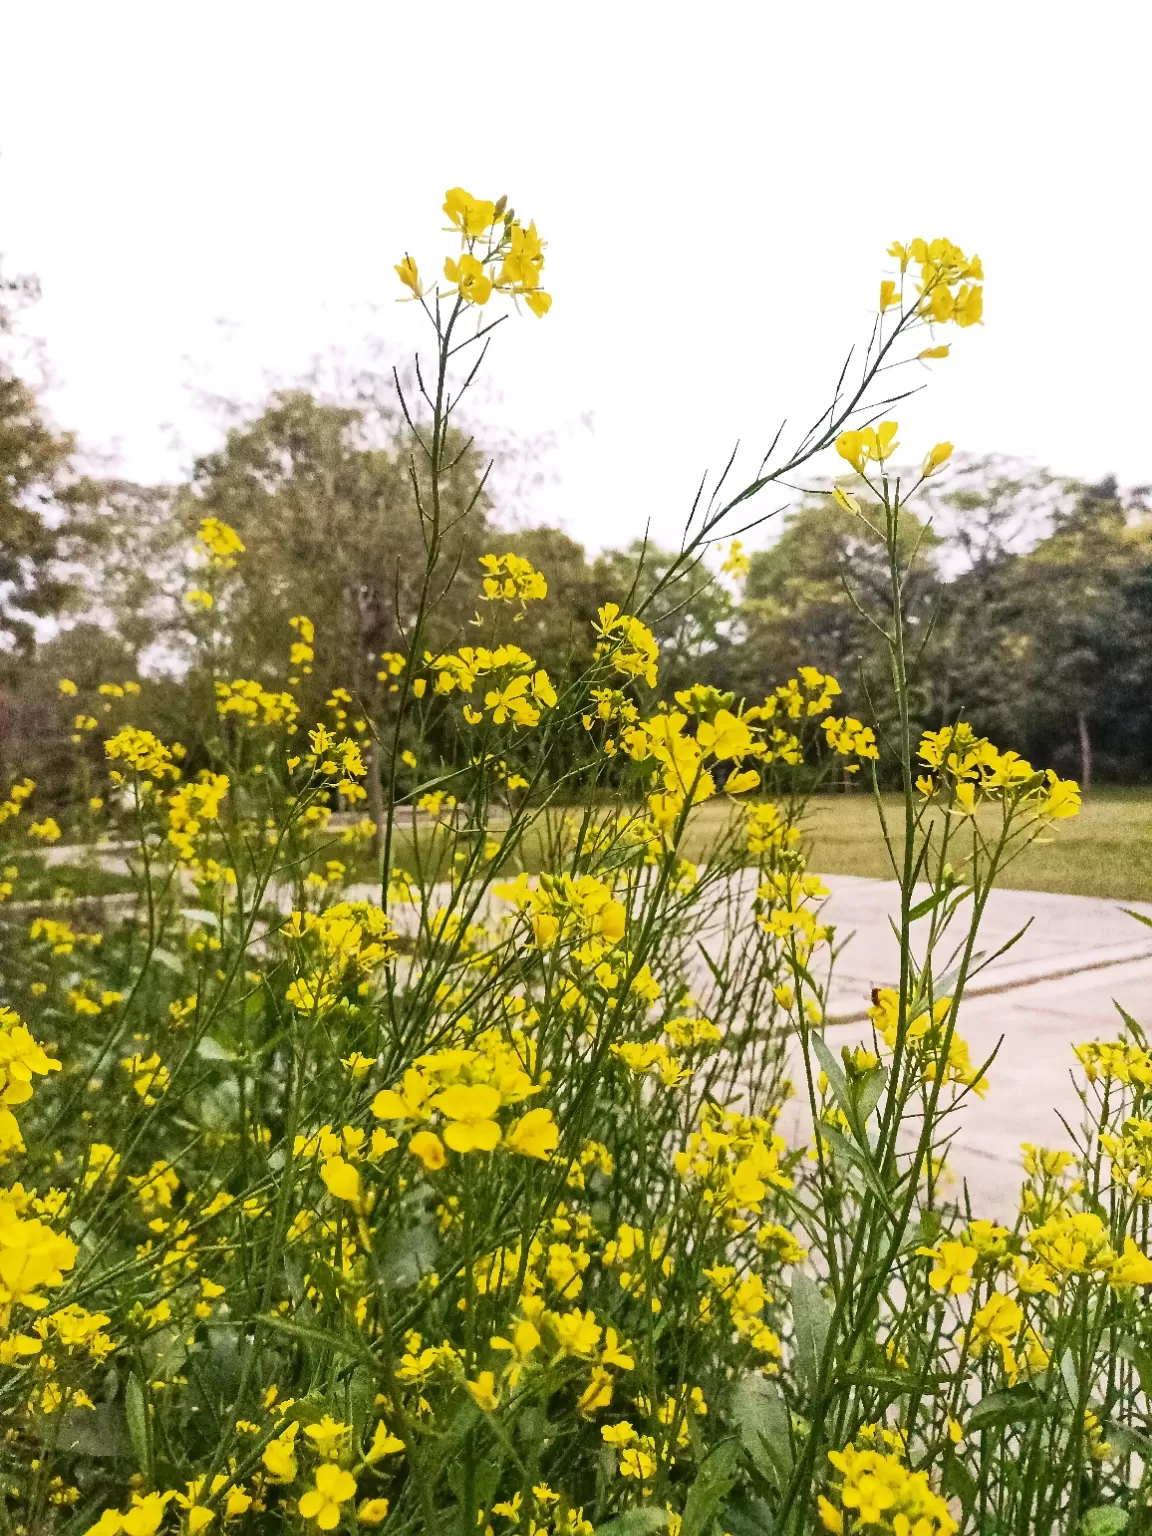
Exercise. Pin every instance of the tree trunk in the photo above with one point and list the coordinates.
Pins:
(1085, 753)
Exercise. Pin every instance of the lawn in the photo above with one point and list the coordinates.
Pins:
(1105, 851)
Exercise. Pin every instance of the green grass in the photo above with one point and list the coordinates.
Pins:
(1105, 851)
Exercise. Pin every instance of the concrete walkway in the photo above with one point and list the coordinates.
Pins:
(1054, 989)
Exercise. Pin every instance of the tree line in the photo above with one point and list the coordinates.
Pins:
(1031, 595)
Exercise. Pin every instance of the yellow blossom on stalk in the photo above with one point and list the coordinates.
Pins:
(952, 1271)
(889, 294)
(924, 1038)
(997, 1323)
(47, 831)
(868, 445)
(33, 1258)
(534, 1135)
(147, 1073)
(469, 1110)
(629, 643)
(384, 1443)
(342, 1180)
(141, 751)
(279, 1455)
(877, 1490)
(472, 216)
(21, 1058)
(736, 562)
(936, 458)
(327, 1435)
(524, 260)
(849, 737)
(67, 687)
(322, 1502)
(219, 543)
(483, 1392)
(409, 275)
(510, 578)
(469, 278)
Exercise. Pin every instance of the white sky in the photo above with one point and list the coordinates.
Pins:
(212, 193)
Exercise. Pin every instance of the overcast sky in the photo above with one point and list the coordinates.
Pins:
(213, 193)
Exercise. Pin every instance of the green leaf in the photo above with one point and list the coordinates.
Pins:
(136, 1412)
(837, 1139)
(959, 1482)
(1069, 1377)
(761, 1416)
(922, 908)
(811, 1319)
(834, 1071)
(98, 1431)
(1105, 1520)
(635, 1522)
(1016, 1405)
(716, 1476)
(1129, 1440)
(1137, 1355)
(361, 1395)
(353, 1348)
(745, 1515)
(870, 1091)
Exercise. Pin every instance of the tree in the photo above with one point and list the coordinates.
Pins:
(325, 500)
(35, 520)
(814, 597)
(1081, 604)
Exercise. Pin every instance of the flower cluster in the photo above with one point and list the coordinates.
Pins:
(498, 254)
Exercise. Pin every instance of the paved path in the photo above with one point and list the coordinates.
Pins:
(1052, 990)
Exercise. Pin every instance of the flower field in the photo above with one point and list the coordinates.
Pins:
(454, 1201)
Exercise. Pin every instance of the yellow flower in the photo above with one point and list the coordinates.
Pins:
(869, 444)
(534, 1134)
(407, 272)
(372, 1511)
(47, 830)
(483, 1392)
(384, 1443)
(67, 686)
(936, 458)
(322, 1503)
(469, 278)
(219, 543)
(830, 1516)
(327, 1435)
(472, 216)
(428, 1147)
(280, 1456)
(952, 1271)
(342, 1180)
(469, 1108)
(889, 294)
